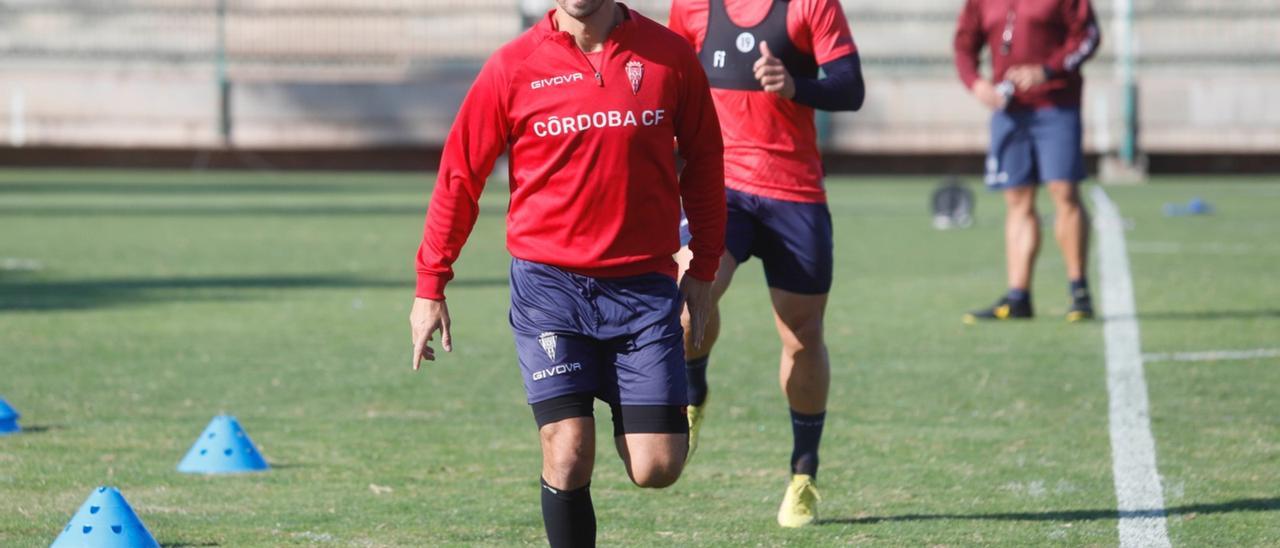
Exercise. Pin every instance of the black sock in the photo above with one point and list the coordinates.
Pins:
(1080, 289)
(806, 431)
(696, 371)
(569, 516)
(1017, 295)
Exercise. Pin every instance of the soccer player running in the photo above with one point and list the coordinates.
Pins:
(587, 104)
(762, 58)
(1037, 48)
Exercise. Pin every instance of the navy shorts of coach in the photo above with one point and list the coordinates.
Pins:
(1030, 147)
(580, 338)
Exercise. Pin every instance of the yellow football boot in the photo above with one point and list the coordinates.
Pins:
(696, 414)
(800, 505)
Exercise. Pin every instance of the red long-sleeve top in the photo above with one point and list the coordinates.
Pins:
(771, 144)
(1059, 35)
(592, 174)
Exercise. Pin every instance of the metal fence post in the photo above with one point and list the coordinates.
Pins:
(220, 74)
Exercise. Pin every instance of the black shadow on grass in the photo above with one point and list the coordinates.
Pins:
(1199, 315)
(83, 294)
(1238, 505)
(187, 544)
(41, 428)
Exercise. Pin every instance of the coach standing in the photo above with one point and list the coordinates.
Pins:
(587, 104)
(1037, 48)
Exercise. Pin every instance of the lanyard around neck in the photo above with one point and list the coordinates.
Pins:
(1006, 37)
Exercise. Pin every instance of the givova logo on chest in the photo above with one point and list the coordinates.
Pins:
(555, 80)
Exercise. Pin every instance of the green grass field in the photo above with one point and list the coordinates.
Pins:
(135, 306)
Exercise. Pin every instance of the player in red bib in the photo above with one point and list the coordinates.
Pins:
(762, 59)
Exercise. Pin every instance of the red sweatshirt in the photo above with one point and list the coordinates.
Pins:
(1057, 34)
(593, 178)
(771, 144)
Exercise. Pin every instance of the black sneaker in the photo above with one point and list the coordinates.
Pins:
(1004, 309)
(1081, 310)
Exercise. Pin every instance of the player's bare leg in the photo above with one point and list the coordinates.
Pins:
(653, 460)
(805, 372)
(805, 377)
(1021, 235)
(568, 452)
(1021, 245)
(568, 456)
(1071, 228)
(697, 356)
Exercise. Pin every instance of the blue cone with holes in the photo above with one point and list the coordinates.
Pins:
(105, 520)
(223, 448)
(8, 419)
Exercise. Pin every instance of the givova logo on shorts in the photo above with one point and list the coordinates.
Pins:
(549, 342)
(557, 370)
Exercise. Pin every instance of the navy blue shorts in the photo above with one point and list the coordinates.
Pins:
(617, 339)
(1030, 147)
(793, 239)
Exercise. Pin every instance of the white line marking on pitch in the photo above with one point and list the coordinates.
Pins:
(1212, 355)
(1139, 498)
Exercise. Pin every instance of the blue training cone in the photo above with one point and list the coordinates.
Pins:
(223, 448)
(8, 419)
(105, 520)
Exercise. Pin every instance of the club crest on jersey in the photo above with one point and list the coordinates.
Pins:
(548, 342)
(635, 71)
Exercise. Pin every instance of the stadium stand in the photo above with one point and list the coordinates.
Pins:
(338, 74)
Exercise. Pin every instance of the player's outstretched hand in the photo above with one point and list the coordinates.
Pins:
(697, 301)
(773, 75)
(427, 317)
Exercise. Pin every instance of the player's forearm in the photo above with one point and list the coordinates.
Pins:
(1082, 41)
(1079, 48)
(967, 49)
(967, 69)
(476, 140)
(455, 206)
(702, 195)
(842, 89)
(431, 284)
(707, 243)
(450, 218)
(700, 143)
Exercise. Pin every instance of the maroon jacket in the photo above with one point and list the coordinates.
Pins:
(1057, 34)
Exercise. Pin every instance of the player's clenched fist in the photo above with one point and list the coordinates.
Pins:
(427, 317)
(772, 74)
(1026, 76)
